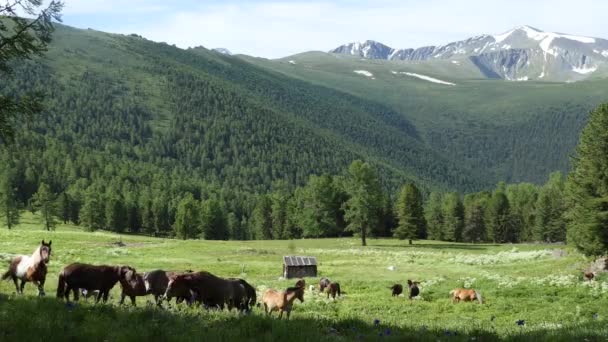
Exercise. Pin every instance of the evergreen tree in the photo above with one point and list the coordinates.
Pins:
(412, 224)
(587, 187)
(234, 227)
(64, 207)
(92, 212)
(9, 208)
(365, 198)
(522, 201)
(262, 218)
(115, 215)
(434, 216)
(213, 222)
(497, 218)
(474, 229)
(160, 215)
(550, 224)
(44, 202)
(187, 219)
(453, 217)
(280, 199)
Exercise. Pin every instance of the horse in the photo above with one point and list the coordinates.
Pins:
(207, 288)
(250, 295)
(333, 289)
(156, 284)
(30, 268)
(243, 296)
(132, 285)
(300, 283)
(78, 276)
(465, 295)
(589, 275)
(281, 301)
(414, 290)
(323, 283)
(397, 289)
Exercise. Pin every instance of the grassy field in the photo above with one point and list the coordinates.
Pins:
(534, 283)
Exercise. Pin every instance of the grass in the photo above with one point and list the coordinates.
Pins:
(518, 282)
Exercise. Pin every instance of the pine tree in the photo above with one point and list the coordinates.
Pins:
(550, 225)
(587, 188)
(187, 224)
(453, 217)
(412, 224)
(365, 199)
(9, 208)
(280, 199)
(497, 218)
(474, 211)
(262, 218)
(115, 215)
(44, 202)
(434, 216)
(522, 201)
(64, 207)
(213, 221)
(92, 212)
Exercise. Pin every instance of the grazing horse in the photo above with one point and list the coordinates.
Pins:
(467, 295)
(250, 295)
(333, 289)
(397, 289)
(281, 301)
(323, 283)
(30, 268)
(414, 290)
(90, 277)
(207, 288)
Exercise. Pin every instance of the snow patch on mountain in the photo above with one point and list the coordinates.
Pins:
(423, 77)
(583, 70)
(364, 73)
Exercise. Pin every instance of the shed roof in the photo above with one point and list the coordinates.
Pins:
(290, 260)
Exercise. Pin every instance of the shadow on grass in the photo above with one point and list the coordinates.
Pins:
(29, 318)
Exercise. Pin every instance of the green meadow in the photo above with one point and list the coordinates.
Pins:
(540, 286)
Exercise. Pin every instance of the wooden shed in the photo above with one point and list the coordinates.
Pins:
(299, 266)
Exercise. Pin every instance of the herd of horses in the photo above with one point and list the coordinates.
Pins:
(204, 288)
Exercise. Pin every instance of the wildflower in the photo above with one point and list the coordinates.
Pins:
(521, 322)
(376, 321)
(387, 332)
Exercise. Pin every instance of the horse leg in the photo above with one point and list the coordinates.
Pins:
(281, 314)
(16, 284)
(76, 294)
(133, 300)
(98, 297)
(106, 293)
(266, 309)
(22, 286)
(122, 298)
(41, 288)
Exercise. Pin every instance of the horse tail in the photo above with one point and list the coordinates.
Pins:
(6, 275)
(478, 296)
(452, 292)
(61, 285)
(339, 292)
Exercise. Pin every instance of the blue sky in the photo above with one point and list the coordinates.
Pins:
(278, 28)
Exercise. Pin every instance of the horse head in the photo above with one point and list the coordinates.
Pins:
(176, 287)
(126, 273)
(45, 251)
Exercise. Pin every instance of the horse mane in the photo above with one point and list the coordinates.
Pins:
(293, 289)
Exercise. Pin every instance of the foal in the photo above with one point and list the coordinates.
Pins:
(30, 268)
(466, 295)
(414, 290)
(281, 300)
(397, 289)
(333, 289)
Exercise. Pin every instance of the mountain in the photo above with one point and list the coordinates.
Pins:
(521, 54)
(223, 51)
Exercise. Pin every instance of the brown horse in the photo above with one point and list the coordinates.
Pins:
(90, 277)
(333, 289)
(466, 295)
(281, 301)
(250, 295)
(323, 283)
(589, 275)
(30, 268)
(132, 285)
(414, 290)
(207, 288)
(156, 284)
(300, 283)
(397, 289)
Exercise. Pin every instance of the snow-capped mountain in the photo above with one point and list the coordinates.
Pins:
(223, 51)
(523, 53)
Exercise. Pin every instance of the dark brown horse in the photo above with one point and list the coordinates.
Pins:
(90, 277)
(132, 286)
(156, 284)
(207, 288)
(251, 295)
(333, 289)
(397, 289)
(414, 290)
(323, 284)
(300, 283)
(30, 268)
(281, 301)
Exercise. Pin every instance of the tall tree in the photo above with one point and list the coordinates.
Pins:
(453, 217)
(213, 221)
(187, 219)
(262, 218)
(587, 187)
(9, 207)
(497, 218)
(365, 198)
(318, 207)
(22, 38)
(116, 214)
(64, 207)
(550, 224)
(412, 224)
(434, 216)
(522, 201)
(44, 202)
(280, 199)
(92, 212)
(474, 212)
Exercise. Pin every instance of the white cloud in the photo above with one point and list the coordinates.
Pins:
(280, 28)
